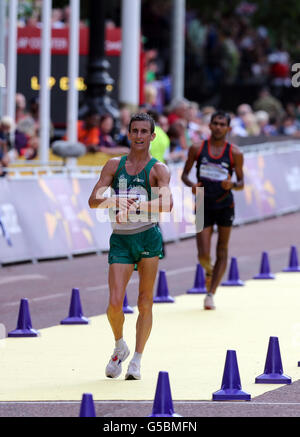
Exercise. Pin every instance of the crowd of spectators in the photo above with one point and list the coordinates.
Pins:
(30, 13)
(220, 49)
(178, 126)
(224, 49)
(228, 50)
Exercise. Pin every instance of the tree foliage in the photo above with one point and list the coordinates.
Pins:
(281, 18)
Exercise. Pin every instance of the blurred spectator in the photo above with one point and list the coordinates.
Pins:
(4, 160)
(150, 93)
(8, 153)
(67, 16)
(270, 104)
(238, 123)
(106, 142)
(156, 27)
(279, 61)
(6, 126)
(289, 126)
(163, 122)
(251, 124)
(160, 146)
(88, 131)
(25, 11)
(175, 133)
(207, 112)
(20, 107)
(57, 18)
(213, 57)
(178, 110)
(29, 126)
(22, 145)
(262, 118)
(290, 109)
(196, 36)
(122, 138)
(194, 123)
(151, 65)
(230, 57)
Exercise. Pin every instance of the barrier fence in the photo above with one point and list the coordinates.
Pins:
(47, 215)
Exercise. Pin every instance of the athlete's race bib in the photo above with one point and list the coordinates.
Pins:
(213, 172)
(141, 195)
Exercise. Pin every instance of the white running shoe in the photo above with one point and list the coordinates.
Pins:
(209, 302)
(114, 367)
(133, 371)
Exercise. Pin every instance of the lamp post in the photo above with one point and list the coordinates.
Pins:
(98, 79)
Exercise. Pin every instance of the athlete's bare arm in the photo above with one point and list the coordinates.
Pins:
(191, 158)
(238, 159)
(159, 179)
(238, 167)
(97, 200)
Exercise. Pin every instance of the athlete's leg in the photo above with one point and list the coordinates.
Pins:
(203, 240)
(118, 277)
(221, 257)
(147, 269)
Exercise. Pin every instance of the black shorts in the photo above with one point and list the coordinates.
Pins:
(221, 217)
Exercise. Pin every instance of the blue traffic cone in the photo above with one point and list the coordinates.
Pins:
(293, 262)
(231, 384)
(24, 326)
(75, 311)
(163, 404)
(233, 276)
(162, 292)
(264, 268)
(126, 308)
(87, 407)
(273, 373)
(199, 282)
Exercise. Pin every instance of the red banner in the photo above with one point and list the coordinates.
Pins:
(29, 41)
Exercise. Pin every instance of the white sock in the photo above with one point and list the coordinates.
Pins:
(120, 343)
(137, 358)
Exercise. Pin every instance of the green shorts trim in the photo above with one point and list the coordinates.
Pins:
(130, 249)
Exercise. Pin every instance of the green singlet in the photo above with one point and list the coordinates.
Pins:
(140, 237)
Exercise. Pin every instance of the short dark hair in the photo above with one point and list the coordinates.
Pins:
(221, 114)
(142, 116)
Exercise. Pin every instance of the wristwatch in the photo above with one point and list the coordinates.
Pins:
(138, 203)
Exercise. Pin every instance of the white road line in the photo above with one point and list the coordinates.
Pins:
(270, 252)
(35, 299)
(135, 281)
(246, 403)
(19, 278)
(105, 286)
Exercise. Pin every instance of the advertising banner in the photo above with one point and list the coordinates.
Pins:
(97, 219)
(14, 242)
(272, 186)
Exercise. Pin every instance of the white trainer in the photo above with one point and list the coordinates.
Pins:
(209, 302)
(133, 371)
(114, 367)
